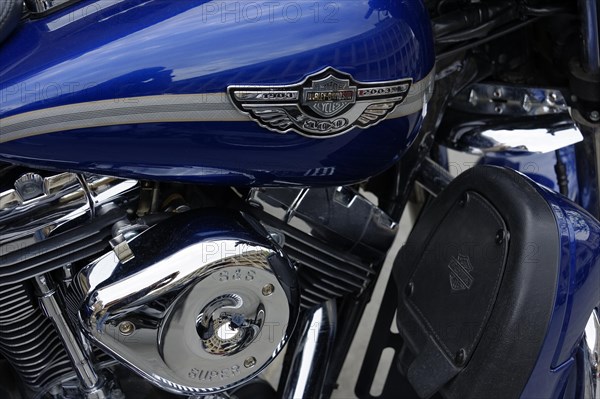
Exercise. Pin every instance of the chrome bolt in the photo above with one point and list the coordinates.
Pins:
(268, 289)
(498, 109)
(278, 238)
(126, 328)
(250, 362)
(496, 93)
(595, 116)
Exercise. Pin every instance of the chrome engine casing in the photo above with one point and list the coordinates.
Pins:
(48, 222)
(203, 302)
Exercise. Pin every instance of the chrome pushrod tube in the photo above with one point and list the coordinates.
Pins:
(91, 383)
(312, 353)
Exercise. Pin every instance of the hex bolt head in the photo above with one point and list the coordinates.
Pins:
(126, 328)
(464, 200)
(595, 116)
(250, 362)
(410, 289)
(268, 290)
(501, 237)
(460, 358)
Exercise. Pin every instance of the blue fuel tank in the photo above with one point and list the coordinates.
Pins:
(218, 92)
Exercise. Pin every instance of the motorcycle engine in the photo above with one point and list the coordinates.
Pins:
(193, 301)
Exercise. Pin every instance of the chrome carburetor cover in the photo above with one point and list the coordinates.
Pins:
(205, 303)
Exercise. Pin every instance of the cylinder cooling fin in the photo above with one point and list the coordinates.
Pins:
(336, 237)
(28, 340)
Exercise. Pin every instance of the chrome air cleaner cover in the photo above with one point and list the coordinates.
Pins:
(205, 304)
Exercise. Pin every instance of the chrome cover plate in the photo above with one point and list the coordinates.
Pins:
(493, 99)
(532, 135)
(207, 301)
(36, 208)
(521, 119)
(327, 103)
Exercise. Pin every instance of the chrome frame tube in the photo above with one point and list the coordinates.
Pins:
(312, 353)
(591, 56)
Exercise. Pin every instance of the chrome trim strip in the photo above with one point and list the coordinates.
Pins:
(203, 107)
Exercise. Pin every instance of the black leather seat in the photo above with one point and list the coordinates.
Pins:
(10, 13)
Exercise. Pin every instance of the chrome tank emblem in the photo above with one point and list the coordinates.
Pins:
(205, 304)
(327, 103)
(328, 97)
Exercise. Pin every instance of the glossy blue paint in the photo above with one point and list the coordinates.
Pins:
(102, 50)
(577, 294)
(587, 171)
(540, 167)
(241, 153)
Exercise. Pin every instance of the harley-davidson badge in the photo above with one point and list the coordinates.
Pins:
(325, 104)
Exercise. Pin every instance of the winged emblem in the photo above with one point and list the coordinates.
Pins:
(325, 104)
